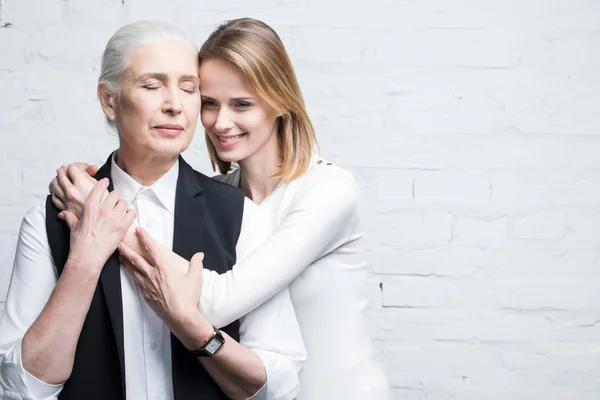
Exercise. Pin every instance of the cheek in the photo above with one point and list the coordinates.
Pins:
(141, 109)
(260, 123)
(207, 117)
(192, 106)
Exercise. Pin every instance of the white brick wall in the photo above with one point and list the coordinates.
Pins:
(472, 127)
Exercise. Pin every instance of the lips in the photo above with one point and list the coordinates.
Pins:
(229, 139)
(227, 142)
(169, 129)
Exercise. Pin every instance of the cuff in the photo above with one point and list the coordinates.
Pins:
(282, 377)
(37, 389)
(261, 394)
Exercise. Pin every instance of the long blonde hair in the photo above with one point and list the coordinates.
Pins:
(256, 49)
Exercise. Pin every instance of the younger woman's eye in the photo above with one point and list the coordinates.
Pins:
(208, 103)
(189, 90)
(242, 104)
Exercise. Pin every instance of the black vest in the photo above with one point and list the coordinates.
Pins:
(208, 217)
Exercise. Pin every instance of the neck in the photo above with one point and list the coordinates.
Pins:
(144, 169)
(257, 171)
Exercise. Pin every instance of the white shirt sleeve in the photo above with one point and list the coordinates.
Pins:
(33, 279)
(320, 218)
(271, 330)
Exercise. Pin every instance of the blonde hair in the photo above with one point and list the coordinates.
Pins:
(256, 49)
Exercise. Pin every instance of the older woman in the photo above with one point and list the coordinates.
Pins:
(254, 115)
(76, 325)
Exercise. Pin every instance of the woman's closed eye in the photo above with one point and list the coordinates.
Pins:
(189, 89)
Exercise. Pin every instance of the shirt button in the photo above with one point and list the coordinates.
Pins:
(154, 346)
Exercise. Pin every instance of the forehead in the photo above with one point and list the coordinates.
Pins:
(221, 77)
(170, 57)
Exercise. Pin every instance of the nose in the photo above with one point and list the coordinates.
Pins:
(172, 102)
(224, 122)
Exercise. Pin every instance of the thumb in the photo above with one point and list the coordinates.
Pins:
(196, 264)
(69, 218)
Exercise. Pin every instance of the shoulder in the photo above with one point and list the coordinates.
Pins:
(36, 216)
(232, 178)
(324, 178)
(219, 186)
(33, 226)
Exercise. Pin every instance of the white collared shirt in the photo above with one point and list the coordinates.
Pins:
(271, 330)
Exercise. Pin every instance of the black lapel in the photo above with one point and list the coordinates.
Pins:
(110, 280)
(188, 228)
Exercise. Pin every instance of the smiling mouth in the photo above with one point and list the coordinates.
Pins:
(230, 139)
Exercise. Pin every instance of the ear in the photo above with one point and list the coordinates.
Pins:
(107, 102)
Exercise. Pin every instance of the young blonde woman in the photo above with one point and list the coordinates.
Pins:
(254, 116)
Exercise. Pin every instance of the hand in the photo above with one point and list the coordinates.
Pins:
(95, 237)
(170, 291)
(72, 186)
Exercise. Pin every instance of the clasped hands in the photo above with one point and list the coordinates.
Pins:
(101, 223)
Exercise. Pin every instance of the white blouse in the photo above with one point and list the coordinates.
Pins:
(311, 244)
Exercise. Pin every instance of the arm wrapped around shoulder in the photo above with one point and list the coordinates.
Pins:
(320, 211)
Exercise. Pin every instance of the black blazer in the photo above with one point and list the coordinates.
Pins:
(208, 218)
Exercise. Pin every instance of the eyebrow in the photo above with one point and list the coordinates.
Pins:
(234, 99)
(163, 77)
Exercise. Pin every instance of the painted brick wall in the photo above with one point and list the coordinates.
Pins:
(472, 127)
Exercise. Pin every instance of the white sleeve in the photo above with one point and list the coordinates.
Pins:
(32, 282)
(320, 218)
(272, 332)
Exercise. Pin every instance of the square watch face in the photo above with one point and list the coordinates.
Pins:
(213, 346)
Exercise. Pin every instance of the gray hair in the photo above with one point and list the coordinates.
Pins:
(126, 40)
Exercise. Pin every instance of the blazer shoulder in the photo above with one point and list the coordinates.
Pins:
(216, 185)
(221, 194)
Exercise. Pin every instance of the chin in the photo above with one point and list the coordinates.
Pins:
(171, 149)
(230, 156)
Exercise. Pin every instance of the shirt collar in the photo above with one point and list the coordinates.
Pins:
(164, 188)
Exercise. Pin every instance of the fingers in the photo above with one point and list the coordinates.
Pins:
(87, 171)
(75, 173)
(58, 202)
(92, 170)
(132, 261)
(153, 253)
(197, 264)
(98, 192)
(63, 180)
(111, 200)
(82, 166)
(69, 218)
(58, 194)
(120, 207)
(129, 217)
(56, 189)
(125, 215)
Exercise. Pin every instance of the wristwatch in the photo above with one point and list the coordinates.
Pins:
(211, 345)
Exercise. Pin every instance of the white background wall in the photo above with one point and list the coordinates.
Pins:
(473, 127)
